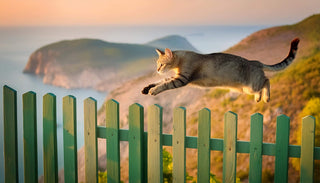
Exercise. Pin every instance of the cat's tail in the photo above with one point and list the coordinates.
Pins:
(287, 61)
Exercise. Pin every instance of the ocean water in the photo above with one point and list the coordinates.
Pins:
(17, 43)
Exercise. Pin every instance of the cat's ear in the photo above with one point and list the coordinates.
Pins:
(168, 53)
(159, 52)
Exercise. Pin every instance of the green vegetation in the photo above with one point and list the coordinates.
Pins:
(167, 172)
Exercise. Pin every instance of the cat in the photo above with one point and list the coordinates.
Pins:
(217, 70)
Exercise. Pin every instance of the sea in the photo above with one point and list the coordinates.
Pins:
(17, 44)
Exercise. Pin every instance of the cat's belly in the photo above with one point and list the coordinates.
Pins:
(237, 87)
(214, 82)
(205, 82)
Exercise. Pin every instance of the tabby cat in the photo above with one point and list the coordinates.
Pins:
(217, 69)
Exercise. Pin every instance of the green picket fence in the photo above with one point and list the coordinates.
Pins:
(145, 148)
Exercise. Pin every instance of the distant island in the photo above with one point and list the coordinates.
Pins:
(85, 63)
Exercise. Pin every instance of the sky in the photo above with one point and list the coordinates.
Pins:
(154, 12)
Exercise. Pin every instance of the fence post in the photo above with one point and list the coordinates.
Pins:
(10, 134)
(70, 139)
(113, 141)
(136, 153)
(204, 132)
(155, 162)
(229, 147)
(30, 137)
(307, 149)
(282, 147)
(90, 140)
(256, 138)
(178, 145)
(50, 138)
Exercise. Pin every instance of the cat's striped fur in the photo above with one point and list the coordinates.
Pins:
(217, 69)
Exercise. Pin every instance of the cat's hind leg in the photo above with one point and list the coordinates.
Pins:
(257, 96)
(266, 91)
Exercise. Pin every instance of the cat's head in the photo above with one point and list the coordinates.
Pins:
(165, 61)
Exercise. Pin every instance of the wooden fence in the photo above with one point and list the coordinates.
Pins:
(145, 148)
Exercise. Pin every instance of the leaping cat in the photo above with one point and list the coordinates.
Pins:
(217, 69)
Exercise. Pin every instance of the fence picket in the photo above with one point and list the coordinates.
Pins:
(178, 145)
(50, 157)
(113, 142)
(204, 132)
(10, 134)
(136, 153)
(30, 137)
(90, 140)
(70, 139)
(229, 147)
(155, 172)
(307, 149)
(282, 146)
(256, 137)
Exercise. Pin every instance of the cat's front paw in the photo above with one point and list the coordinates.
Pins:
(147, 89)
(154, 91)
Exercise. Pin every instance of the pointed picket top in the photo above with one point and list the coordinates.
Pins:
(29, 93)
(90, 100)
(49, 95)
(309, 120)
(204, 111)
(112, 102)
(8, 88)
(69, 97)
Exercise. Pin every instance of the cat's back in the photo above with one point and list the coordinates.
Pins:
(216, 60)
(224, 57)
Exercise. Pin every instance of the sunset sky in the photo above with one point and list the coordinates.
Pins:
(154, 12)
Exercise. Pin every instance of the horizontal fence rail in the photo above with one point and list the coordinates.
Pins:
(145, 148)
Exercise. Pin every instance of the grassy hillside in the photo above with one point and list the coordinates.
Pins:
(293, 91)
(271, 45)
